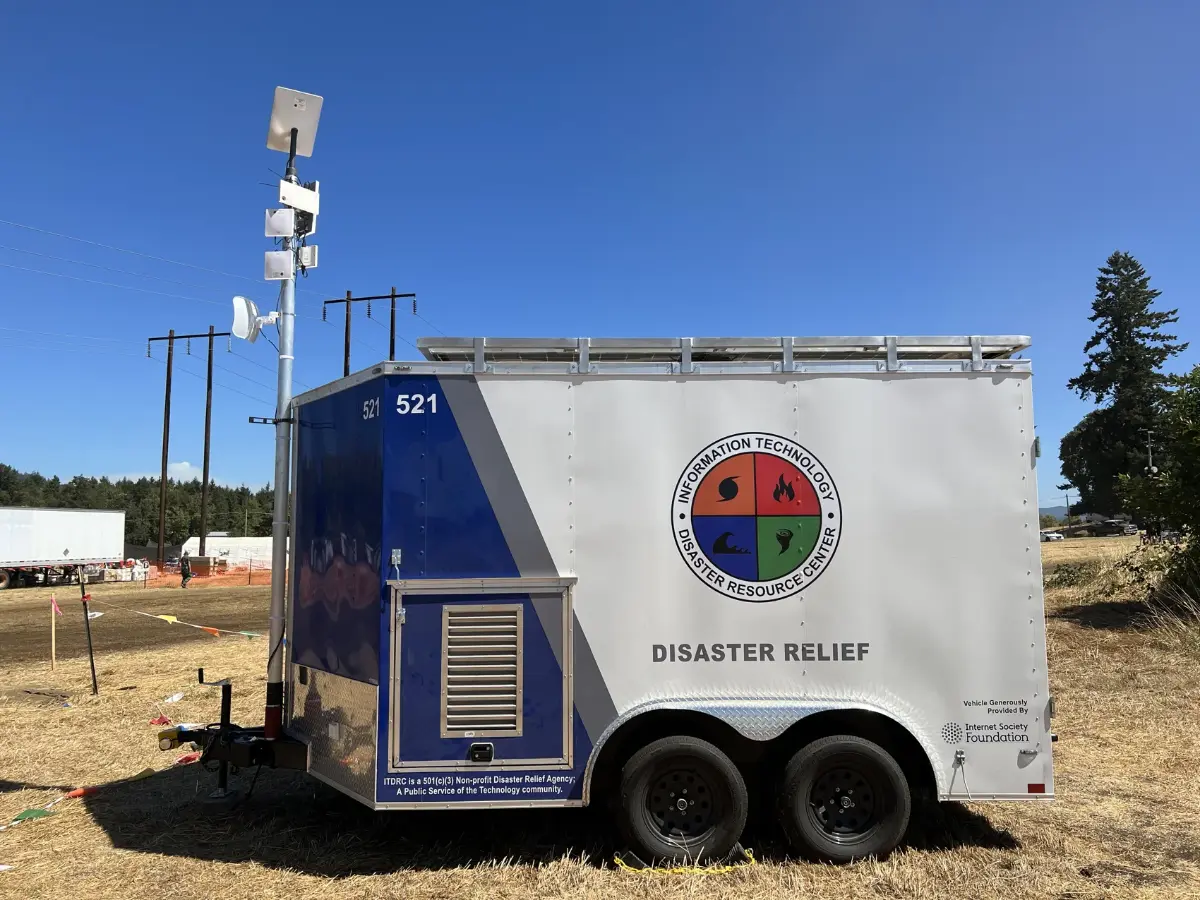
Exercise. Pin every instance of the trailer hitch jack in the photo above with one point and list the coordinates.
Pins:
(222, 792)
(233, 745)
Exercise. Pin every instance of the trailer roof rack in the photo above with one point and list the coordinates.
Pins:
(722, 350)
(721, 357)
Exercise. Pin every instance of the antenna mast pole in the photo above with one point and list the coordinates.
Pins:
(273, 721)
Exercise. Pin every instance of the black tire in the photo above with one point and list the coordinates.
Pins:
(5, 579)
(872, 797)
(675, 771)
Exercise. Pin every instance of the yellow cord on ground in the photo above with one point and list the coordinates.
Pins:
(689, 870)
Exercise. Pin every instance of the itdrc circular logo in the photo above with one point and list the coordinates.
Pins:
(952, 733)
(756, 517)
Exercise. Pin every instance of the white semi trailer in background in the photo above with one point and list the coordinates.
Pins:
(38, 546)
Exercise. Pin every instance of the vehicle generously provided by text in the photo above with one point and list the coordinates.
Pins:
(675, 577)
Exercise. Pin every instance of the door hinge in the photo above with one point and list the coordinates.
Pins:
(400, 615)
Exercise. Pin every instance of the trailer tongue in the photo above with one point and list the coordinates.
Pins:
(662, 574)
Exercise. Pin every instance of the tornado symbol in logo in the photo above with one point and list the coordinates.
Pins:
(784, 536)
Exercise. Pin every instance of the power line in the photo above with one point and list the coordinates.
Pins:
(80, 262)
(79, 337)
(385, 328)
(218, 383)
(254, 362)
(91, 351)
(66, 348)
(57, 336)
(269, 387)
(430, 324)
(188, 353)
(174, 262)
(163, 259)
(151, 256)
(124, 287)
(128, 287)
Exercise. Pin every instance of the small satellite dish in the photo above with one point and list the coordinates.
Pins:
(245, 319)
(247, 323)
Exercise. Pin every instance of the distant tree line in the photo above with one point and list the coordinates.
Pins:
(239, 511)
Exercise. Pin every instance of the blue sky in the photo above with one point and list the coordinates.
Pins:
(662, 168)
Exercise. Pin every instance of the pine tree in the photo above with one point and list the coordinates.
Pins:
(1124, 377)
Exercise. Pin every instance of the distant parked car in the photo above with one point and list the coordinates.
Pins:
(1112, 528)
(1052, 536)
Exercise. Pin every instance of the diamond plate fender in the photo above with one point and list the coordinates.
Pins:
(763, 719)
(335, 716)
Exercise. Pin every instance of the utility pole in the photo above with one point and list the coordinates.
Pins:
(1065, 487)
(171, 337)
(207, 440)
(393, 297)
(1151, 470)
(346, 370)
(392, 332)
(162, 482)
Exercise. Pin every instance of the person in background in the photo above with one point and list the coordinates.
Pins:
(185, 569)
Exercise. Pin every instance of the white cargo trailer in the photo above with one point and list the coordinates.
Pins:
(36, 544)
(672, 576)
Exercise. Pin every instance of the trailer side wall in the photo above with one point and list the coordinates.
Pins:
(57, 537)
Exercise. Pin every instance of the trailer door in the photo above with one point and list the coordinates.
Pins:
(480, 673)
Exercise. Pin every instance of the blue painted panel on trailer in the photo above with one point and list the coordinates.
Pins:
(437, 514)
(336, 535)
(436, 511)
(421, 686)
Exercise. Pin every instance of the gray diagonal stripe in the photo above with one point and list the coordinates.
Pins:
(525, 541)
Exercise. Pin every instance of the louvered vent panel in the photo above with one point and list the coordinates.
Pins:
(481, 671)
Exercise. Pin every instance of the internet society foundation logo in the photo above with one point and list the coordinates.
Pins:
(756, 517)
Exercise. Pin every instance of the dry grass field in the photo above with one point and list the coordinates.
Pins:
(1126, 821)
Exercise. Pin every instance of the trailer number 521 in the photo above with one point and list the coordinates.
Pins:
(415, 404)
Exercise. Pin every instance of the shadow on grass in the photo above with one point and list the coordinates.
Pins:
(294, 822)
(951, 826)
(1107, 615)
(11, 787)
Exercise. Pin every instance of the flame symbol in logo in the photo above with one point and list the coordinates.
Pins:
(783, 489)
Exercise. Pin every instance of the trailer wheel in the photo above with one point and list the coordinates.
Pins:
(844, 798)
(5, 579)
(682, 799)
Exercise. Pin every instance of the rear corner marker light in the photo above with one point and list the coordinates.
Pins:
(1037, 789)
